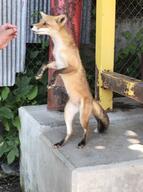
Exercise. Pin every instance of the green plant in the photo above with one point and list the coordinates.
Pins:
(26, 91)
(127, 61)
(23, 93)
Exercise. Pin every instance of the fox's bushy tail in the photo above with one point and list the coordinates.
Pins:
(101, 117)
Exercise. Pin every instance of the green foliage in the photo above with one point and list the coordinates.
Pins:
(26, 91)
(128, 57)
(9, 145)
(23, 93)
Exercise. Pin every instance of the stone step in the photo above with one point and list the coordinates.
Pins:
(112, 162)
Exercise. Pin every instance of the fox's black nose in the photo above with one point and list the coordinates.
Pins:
(31, 26)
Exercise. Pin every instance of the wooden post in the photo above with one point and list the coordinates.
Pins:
(124, 85)
(57, 96)
(105, 35)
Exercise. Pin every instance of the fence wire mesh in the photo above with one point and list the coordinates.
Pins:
(129, 38)
(37, 46)
(87, 48)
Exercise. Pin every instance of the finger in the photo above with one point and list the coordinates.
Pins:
(8, 26)
(3, 45)
(15, 34)
(11, 31)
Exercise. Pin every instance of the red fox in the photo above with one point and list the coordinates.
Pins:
(69, 66)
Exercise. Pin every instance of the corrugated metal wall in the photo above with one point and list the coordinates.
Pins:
(23, 13)
(33, 8)
(13, 57)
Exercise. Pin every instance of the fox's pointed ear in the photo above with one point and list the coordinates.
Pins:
(61, 19)
(42, 14)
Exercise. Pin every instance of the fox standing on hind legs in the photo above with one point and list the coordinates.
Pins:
(69, 66)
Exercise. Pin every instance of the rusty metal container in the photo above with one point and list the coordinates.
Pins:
(57, 96)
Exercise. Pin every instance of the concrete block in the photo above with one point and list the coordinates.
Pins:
(112, 162)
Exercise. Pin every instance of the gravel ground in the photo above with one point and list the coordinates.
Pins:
(9, 184)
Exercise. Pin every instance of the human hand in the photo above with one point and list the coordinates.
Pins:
(7, 33)
(7, 26)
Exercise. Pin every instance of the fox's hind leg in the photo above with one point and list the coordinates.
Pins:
(85, 112)
(69, 113)
(101, 116)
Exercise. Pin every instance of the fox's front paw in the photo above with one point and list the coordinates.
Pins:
(38, 77)
(51, 86)
(40, 72)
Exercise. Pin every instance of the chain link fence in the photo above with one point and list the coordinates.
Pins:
(129, 38)
(87, 48)
(36, 46)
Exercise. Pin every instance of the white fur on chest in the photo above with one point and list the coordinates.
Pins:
(58, 58)
(58, 55)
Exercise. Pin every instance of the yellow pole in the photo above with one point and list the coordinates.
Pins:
(105, 37)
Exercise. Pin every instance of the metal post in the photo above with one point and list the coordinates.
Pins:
(57, 96)
(105, 35)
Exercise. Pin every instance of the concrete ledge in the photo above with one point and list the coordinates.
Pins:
(112, 162)
(123, 177)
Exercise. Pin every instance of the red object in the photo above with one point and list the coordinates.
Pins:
(57, 96)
